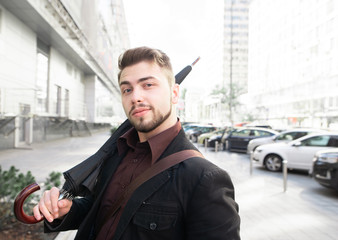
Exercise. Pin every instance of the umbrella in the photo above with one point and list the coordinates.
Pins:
(80, 180)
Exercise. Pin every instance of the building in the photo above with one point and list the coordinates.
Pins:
(58, 74)
(234, 47)
(235, 59)
(235, 53)
(293, 78)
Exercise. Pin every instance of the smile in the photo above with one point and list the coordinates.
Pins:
(139, 112)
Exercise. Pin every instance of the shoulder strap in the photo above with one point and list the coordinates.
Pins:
(157, 168)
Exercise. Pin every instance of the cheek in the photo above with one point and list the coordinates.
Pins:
(125, 104)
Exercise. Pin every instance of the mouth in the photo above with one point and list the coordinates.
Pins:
(140, 111)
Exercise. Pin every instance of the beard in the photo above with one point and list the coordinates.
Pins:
(144, 126)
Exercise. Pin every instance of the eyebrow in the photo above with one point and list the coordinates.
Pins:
(138, 81)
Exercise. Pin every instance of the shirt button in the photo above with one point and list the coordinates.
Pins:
(152, 226)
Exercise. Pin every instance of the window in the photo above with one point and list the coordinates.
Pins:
(263, 134)
(0, 19)
(57, 99)
(41, 82)
(291, 136)
(319, 141)
(333, 142)
(242, 133)
(66, 99)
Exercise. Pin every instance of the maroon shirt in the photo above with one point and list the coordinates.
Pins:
(140, 156)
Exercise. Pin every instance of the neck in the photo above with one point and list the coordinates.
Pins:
(171, 121)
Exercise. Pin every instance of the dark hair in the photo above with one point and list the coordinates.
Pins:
(136, 55)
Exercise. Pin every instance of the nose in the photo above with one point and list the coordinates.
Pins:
(137, 96)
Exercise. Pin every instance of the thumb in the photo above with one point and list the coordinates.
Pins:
(63, 203)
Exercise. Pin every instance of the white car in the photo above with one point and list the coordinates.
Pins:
(298, 153)
(285, 136)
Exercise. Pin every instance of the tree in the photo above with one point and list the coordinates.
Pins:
(229, 96)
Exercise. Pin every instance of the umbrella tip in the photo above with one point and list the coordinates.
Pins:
(197, 59)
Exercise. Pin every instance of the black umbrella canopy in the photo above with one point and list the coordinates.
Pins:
(80, 180)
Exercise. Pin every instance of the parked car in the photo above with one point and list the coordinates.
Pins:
(192, 134)
(218, 138)
(190, 126)
(203, 138)
(325, 168)
(298, 153)
(285, 136)
(238, 139)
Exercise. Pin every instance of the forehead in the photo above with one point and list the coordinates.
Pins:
(141, 70)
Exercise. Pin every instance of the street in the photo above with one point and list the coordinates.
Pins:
(305, 210)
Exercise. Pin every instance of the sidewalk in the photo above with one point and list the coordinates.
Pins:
(58, 155)
(305, 211)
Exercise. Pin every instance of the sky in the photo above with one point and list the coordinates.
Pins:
(185, 30)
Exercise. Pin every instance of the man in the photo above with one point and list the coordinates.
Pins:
(192, 200)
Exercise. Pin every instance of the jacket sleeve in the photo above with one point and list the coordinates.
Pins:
(73, 219)
(213, 212)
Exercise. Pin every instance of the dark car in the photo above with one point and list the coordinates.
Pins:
(203, 138)
(219, 137)
(238, 139)
(325, 168)
(189, 126)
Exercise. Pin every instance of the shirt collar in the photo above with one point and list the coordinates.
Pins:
(157, 143)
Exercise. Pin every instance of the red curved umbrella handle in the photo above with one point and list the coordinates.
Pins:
(19, 201)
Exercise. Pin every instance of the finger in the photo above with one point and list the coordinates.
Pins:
(64, 206)
(36, 213)
(47, 201)
(45, 207)
(54, 196)
(63, 203)
(45, 212)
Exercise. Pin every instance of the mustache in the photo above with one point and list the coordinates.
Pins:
(141, 105)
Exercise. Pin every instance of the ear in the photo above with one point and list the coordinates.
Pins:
(175, 93)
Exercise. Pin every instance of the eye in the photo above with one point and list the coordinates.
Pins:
(148, 85)
(126, 90)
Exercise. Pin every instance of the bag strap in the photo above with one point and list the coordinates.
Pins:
(155, 169)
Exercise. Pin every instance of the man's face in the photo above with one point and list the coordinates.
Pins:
(147, 97)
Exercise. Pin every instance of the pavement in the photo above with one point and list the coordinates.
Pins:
(270, 208)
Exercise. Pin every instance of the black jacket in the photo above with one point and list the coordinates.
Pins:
(192, 200)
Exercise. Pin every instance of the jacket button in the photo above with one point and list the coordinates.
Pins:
(152, 226)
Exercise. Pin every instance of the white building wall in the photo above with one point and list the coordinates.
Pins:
(192, 106)
(17, 63)
(90, 84)
(32, 31)
(292, 60)
(67, 76)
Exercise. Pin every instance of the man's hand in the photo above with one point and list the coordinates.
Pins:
(50, 207)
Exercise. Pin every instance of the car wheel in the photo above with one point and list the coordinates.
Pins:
(205, 141)
(193, 138)
(273, 163)
(229, 146)
(225, 145)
